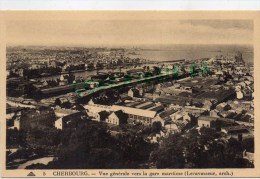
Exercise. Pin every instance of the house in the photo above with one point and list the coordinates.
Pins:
(10, 116)
(140, 115)
(102, 116)
(248, 156)
(45, 83)
(70, 121)
(133, 92)
(156, 94)
(181, 117)
(99, 116)
(206, 121)
(164, 116)
(117, 118)
(63, 82)
(234, 130)
(148, 96)
(225, 114)
(160, 119)
(17, 123)
(194, 110)
(93, 85)
(214, 113)
(223, 107)
(207, 105)
(97, 112)
(171, 127)
(21, 72)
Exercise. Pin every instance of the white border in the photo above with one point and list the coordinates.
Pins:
(129, 4)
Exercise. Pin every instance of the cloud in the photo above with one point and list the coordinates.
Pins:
(222, 24)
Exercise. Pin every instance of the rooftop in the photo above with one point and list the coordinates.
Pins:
(134, 111)
(207, 118)
(167, 113)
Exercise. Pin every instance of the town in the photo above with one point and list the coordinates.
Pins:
(108, 108)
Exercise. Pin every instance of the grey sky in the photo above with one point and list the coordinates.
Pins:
(129, 32)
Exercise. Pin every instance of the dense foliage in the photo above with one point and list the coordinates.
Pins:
(93, 145)
(199, 148)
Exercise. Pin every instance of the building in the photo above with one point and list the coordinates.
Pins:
(172, 90)
(214, 113)
(63, 81)
(164, 116)
(138, 115)
(181, 117)
(35, 118)
(169, 100)
(133, 92)
(171, 127)
(216, 122)
(206, 121)
(195, 110)
(235, 130)
(102, 116)
(60, 112)
(117, 118)
(21, 72)
(52, 64)
(223, 107)
(249, 156)
(117, 52)
(207, 105)
(70, 120)
(124, 97)
(158, 108)
(145, 105)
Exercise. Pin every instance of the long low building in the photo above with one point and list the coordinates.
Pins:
(142, 115)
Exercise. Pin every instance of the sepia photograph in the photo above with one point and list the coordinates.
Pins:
(135, 92)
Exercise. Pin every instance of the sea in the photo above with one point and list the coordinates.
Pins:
(177, 52)
(191, 52)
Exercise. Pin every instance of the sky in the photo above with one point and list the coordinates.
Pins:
(128, 32)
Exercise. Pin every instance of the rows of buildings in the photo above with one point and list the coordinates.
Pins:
(222, 100)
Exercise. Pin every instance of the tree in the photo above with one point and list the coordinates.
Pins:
(133, 147)
(15, 138)
(57, 102)
(156, 70)
(90, 146)
(66, 105)
(156, 127)
(43, 141)
(202, 148)
(170, 153)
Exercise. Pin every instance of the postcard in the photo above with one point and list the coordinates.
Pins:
(130, 93)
